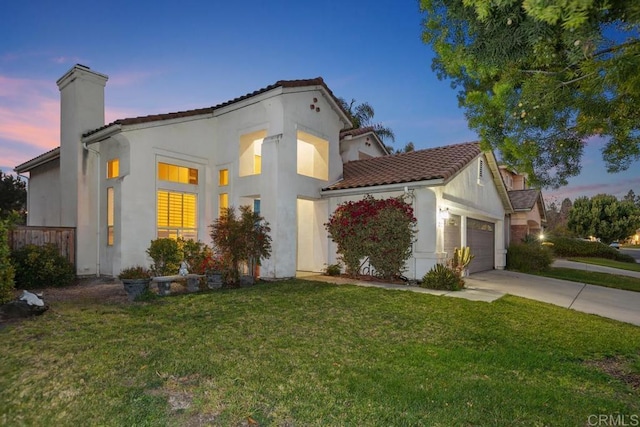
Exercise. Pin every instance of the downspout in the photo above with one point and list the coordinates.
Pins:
(85, 146)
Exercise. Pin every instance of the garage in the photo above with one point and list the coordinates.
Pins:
(481, 241)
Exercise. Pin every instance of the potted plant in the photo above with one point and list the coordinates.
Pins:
(213, 267)
(135, 280)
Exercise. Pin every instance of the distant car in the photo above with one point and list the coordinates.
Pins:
(615, 245)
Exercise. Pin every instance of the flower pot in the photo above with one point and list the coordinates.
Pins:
(135, 287)
(214, 280)
(246, 280)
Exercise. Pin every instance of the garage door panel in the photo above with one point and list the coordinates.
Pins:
(481, 241)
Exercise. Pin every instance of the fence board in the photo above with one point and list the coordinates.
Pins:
(64, 238)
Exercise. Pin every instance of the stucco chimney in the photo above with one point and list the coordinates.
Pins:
(81, 110)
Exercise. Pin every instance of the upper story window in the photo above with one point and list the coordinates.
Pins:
(251, 153)
(313, 156)
(175, 173)
(113, 168)
(223, 177)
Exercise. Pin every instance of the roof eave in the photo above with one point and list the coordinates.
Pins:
(102, 134)
(38, 161)
(328, 192)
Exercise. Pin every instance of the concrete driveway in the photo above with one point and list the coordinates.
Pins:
(607, 302)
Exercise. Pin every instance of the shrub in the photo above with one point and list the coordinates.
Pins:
(7, 272)
(166, 256)
(196, 254)
(528, 257)
(333, 270)
(381, 229)
(135, 272)
(241, 240)
(567, 247)
(443, 278)
(40, 266)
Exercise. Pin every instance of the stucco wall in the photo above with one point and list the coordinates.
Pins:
(210, 143)
(43, 200)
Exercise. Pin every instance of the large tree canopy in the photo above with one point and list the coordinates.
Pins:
(538, 78)
(604, 216)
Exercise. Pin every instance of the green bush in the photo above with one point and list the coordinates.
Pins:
(42, 266)
(166, 255)
(333, 270)
(566, 247)
(7, 272)
(529, 257)
(442, 277)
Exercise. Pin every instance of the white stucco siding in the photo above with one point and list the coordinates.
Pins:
(43, 195)
(473, 197)
(353, 148)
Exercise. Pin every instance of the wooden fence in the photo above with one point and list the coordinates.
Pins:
(64, 238)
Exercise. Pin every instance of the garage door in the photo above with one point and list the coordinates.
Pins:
(480, 239)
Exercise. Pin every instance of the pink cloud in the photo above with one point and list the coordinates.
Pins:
(618, 188)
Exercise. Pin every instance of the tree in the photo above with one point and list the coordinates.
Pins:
(409, 147)
(242, 240)
(631, 197)
(13, 197)
(538, 78)
(605, 217)
(362, 116)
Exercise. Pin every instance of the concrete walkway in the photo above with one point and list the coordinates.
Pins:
(488, 286)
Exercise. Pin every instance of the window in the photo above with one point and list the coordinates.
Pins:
(251, 153)
(223, 177)
(223, 202)
(177, 215)
(113, 168)
(175, 173)
(110, 214)
(313, 156)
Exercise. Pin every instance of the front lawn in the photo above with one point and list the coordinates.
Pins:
(309, 353)
(609, 263)
(616, 281)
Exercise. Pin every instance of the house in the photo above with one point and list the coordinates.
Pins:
(529, 215)
(287, 150)
(458, 198)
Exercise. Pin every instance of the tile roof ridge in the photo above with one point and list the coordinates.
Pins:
(206, 110)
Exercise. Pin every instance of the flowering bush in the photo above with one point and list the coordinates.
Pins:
(382, 229)
(212, 262)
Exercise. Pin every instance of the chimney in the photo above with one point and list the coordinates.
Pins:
(81, 110)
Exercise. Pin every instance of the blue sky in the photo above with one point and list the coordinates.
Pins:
(169, 56)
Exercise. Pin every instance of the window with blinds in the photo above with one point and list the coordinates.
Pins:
(177, 215)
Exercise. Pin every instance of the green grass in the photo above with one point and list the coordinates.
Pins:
(609, 263)
(308, 353)
(593, 278)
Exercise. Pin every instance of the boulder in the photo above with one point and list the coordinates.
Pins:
(29, 304)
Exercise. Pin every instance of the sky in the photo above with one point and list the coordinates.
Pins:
(166, 56)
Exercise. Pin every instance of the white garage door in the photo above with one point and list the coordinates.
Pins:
(480, 239)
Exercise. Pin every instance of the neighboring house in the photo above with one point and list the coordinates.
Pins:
(284, 150)
(529, 213)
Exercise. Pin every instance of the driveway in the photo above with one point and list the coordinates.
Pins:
(607, 302)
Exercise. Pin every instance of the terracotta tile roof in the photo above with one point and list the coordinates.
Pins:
(524, 199)
(318, 81)
(433, 163)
